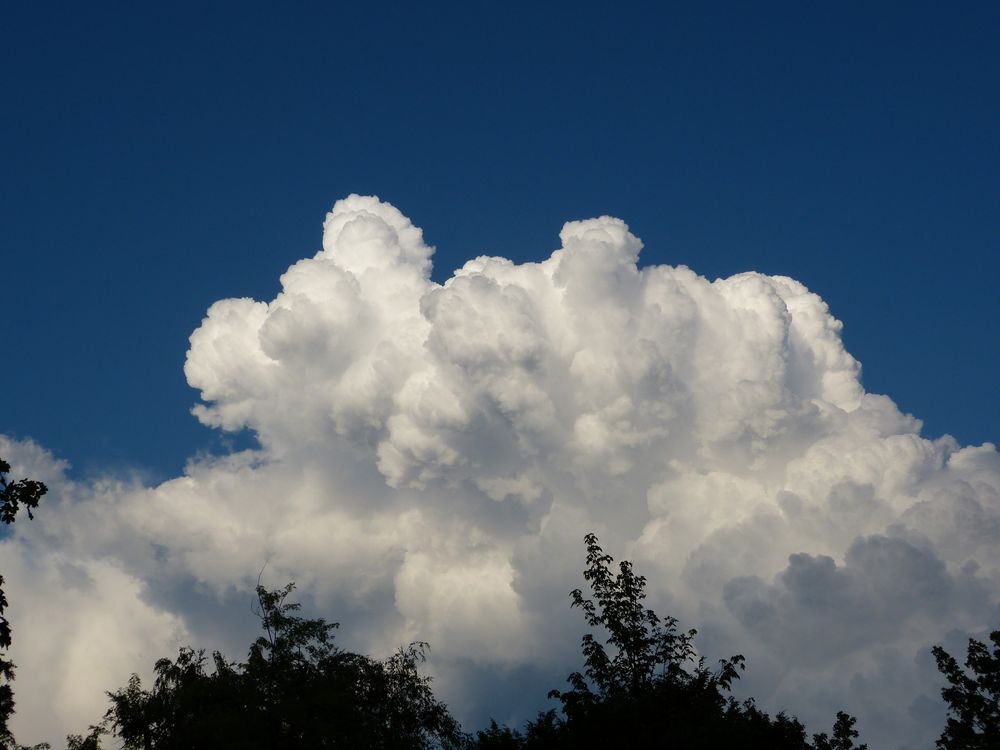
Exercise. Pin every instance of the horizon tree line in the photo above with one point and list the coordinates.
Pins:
(642, 685)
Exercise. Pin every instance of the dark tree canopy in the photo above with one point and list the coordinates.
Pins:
(843, 735)
(24, 493)
(295, 690)
(972, 695)
(643, 685)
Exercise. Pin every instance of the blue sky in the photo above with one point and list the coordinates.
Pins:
(425, 441)
(158, 158)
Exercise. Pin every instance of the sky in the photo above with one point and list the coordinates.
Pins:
(162, 161)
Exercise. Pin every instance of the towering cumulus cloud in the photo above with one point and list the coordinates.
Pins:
(431, 456)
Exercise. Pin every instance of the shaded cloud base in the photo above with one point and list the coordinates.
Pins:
(432, 454)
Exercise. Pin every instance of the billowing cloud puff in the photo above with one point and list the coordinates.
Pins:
(432, 454)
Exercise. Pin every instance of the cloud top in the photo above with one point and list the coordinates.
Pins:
(432, 455)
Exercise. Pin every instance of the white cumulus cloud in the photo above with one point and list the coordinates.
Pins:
(432, 454)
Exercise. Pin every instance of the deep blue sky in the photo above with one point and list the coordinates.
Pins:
(156, 158)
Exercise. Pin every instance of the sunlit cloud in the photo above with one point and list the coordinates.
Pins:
(431, 456)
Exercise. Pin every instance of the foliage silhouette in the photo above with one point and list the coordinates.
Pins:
(844, 734)
(643, 685)
(647, 651)
(972, 695)
(295, 690)
(13, 495)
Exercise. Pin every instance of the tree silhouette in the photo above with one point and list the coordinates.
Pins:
(13, 495)
(646, 651)
(843, 735)
(296, 690)
(972, 695)
(643, 685)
